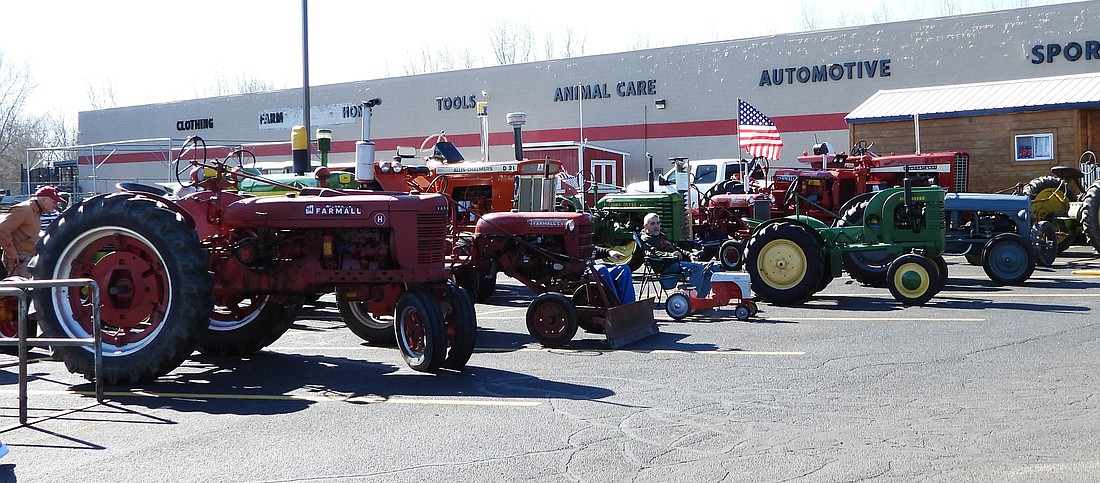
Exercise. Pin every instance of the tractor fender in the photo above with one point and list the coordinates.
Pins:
(172, 205)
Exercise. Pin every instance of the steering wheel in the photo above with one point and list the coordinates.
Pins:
(426, 148)
(791, 191)
(196, 147)
(862, 147)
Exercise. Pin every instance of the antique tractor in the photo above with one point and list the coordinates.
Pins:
(223, 272)
(551, 253)
(791, 258)
(1070, 201)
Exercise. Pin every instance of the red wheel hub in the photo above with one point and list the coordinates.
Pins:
(550, 319)
(129, 289)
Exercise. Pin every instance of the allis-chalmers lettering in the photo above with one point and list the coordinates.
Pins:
(1072, 51)
(192, 124)
(824, 73)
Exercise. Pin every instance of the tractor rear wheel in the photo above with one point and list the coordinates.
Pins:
(243, 326)
(1007, 259)
(1090, 215)
(155, 290)
(868, 268)
(552, 319)
(785, 263)
(1046, 243)
(377, 330)
(1050, 198)
(913, 279)
(731, 255)
(420, 331)
(461, 324)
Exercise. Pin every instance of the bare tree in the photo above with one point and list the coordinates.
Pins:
(429, 60)
(511, 43)
(242, 84)
(16, 85)
(811, 16)
(102, 96)
(573, 45)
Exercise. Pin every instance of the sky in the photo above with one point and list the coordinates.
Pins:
(150, 51)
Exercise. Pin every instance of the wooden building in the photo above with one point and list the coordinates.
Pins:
(1014, 131)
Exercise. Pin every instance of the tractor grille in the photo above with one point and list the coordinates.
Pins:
(431, 238)
(962, 171)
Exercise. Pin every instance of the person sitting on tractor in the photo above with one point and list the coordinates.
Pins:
(665, 257)
(611, 266)
(19, 229)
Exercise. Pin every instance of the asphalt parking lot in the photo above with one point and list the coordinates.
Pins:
(982, 383)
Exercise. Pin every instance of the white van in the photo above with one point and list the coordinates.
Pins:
(704, 174)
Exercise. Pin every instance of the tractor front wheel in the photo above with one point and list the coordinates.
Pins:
(731, 255)
(785, 263)
(155, 290)
(377, 330)
(1046, 243)
(913, 279)
(1007, 259)
(244, 326)
(552, 319)
(420, 331)
(461, 324)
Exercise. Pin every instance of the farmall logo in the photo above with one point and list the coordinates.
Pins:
(786, 177)
(336, 210)
(546, 222)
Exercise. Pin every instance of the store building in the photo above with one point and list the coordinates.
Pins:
(807, 83)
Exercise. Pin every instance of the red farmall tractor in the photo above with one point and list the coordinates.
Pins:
(224, 272)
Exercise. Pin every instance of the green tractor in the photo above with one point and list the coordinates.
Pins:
(789, 259)
(1070, 201)
(618, 216)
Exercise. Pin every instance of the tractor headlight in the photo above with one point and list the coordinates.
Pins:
(570, 226)
(384, 167)
(1022, 214)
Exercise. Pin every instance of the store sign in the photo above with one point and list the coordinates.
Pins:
(327, 115)
(860, 69)
(1070, 51)
(644, 87)
(195, 124)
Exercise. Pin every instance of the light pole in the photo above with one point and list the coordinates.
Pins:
(660, 105)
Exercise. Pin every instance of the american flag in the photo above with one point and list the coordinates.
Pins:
(756, 133)
(568, 183)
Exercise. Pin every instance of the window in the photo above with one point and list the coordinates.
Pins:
(706, 173)
(1035, 147)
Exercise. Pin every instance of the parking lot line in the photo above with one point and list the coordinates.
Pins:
(732, 352)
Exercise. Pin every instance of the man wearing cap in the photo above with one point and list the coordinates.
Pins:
(20, 226)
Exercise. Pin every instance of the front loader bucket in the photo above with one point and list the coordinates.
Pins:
(629, 323)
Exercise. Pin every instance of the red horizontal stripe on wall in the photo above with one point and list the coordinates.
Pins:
(717, 127)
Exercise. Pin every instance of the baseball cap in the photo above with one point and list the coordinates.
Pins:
(49, 192)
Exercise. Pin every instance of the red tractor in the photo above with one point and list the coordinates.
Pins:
(224, 272)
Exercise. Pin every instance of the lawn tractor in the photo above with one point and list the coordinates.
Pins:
(791, 258)
(725, 287)
(1070, 202)
(224, 272)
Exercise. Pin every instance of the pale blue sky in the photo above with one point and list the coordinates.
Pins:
(153, 51)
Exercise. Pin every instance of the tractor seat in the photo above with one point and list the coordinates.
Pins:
(1067, 172)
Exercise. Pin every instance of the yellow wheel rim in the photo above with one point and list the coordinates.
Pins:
(912, 280)
(1049, 203)
(782, 264)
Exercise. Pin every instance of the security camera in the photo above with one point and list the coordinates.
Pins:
(373, 102)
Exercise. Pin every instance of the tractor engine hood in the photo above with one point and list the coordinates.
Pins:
(533, 223)
(341, 211)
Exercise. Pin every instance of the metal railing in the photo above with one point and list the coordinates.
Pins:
(20, 289)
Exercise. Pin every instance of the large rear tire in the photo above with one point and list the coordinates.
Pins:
(244, 326)
(1050, 198)
(1007, 259)
(155, 290)
(868, 268)
(377, 330)
(785, 263)
(420, 331)
(1090, 216)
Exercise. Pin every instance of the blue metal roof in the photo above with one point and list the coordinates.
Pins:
(1038, 94)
